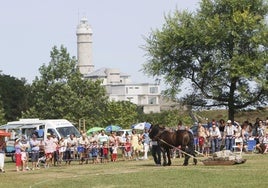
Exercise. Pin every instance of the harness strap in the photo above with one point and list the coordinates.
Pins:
(179, 150)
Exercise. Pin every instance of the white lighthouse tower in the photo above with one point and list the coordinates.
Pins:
(84, 47)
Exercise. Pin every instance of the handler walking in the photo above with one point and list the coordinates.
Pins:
(156, 152)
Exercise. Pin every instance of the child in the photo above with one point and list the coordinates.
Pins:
(139, 149)
(114, 153)
(127, 149)
(104, 152)
(95, 152)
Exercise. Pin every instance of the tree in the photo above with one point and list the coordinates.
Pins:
(14, 94)
(221, 49)
(122, 113)
(2, 114)
(61, 92)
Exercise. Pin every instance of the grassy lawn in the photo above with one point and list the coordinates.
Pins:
(253, 173)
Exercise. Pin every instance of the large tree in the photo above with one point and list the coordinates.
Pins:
(221, 49)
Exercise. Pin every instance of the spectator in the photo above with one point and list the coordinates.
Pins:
(18, 155)
(55, 149)
(229, 134)
(215, 135)
(24, 153)
(62, 149)
(265, 142)
(102, 137)
(207, 144)
(127, 149)
(2, 153)
(95, 152)
(255, 126)
(49, 149)
(221, 128)
(146, 143)
(201, 135)
(180, 126)
(34, 143)
(139, 149)
(104, 152)
(82, 146)
(114, 153)
(134, 143)
(244, 132)
(260, 129)
(121, 142)
(113, 140)
(69, 153)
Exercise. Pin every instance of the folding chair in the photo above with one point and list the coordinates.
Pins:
(251, 145)
(238, 146)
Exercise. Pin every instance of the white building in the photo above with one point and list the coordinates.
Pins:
(118, 85)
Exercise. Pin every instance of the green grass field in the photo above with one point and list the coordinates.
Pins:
(253, 173)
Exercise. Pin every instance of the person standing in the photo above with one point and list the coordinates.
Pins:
(82, 148)
(146, 143)
(24, 153)
(113, 141)
(49, 149)
(18, 155)
(69, 152)
(229, 134)
(215, 136)
(2, 153)
(134, 140)
(34, 143)
(62, 148)
(221, 128)
(156, 152)
(201, 134)
(128, 149)
(102, 137)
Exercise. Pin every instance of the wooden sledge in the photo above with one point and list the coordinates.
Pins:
(215, 162)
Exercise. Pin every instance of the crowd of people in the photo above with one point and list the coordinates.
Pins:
(229, 135)
(99, 147)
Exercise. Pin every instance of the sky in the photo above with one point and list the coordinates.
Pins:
(30, 28)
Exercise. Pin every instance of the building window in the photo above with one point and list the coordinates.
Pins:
(152, 100)
(126, 90)
(153, 89)
(114, 73)
(137, 87)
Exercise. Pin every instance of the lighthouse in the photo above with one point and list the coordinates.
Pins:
(84, 47)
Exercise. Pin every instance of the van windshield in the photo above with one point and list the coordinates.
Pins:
(66, 131)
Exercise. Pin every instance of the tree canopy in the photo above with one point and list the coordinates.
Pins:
(14, 94)
(221, 49)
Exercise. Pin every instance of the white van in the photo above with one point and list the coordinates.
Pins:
(62, 128)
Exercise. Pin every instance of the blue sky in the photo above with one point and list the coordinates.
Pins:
(30, 28)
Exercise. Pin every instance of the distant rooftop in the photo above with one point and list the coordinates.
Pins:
(101, 73)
